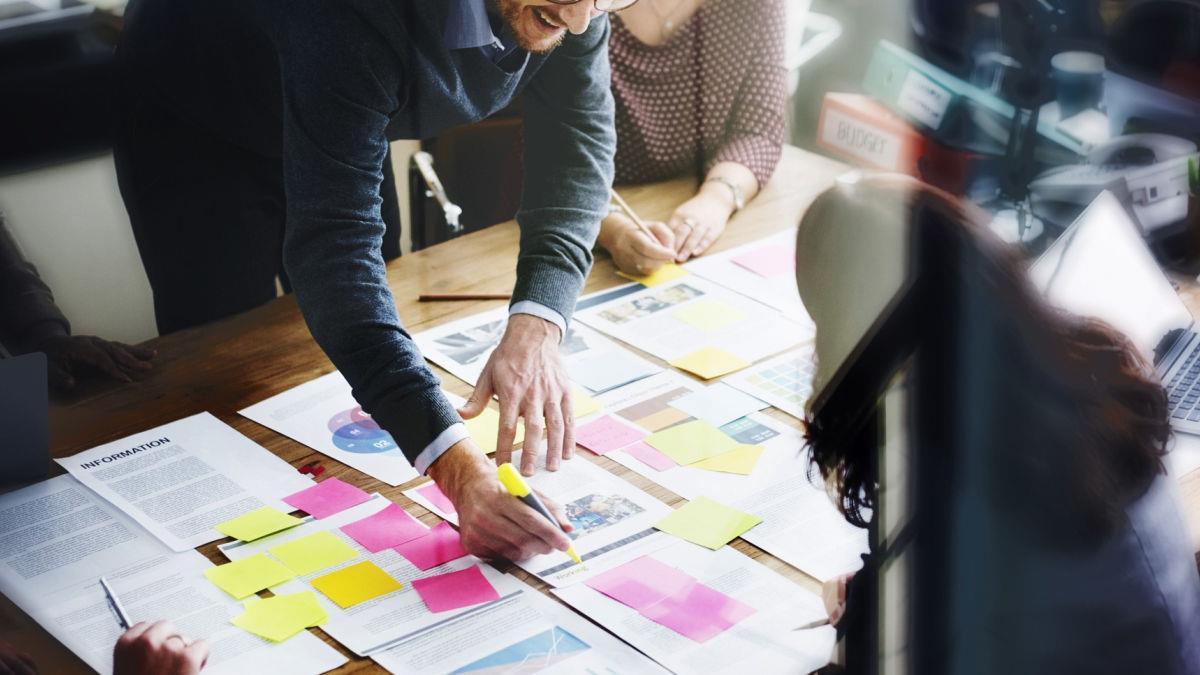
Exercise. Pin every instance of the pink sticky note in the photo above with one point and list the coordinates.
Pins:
(455, 590)
(650, 457)
(441, 545)
(698, 612)
(769, 261)
(389, 528)
(435, 496)
(641, 582)
(327, 498)
(605, 434)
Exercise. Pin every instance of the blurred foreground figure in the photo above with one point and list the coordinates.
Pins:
(1035, 529)
(31, 322)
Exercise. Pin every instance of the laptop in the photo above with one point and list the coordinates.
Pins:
(24, 418)
(1101, 267)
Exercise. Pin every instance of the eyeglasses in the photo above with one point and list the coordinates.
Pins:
(602, 5)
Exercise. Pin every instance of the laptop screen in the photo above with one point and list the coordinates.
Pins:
(1101, 267)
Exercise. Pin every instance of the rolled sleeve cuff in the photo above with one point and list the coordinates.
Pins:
(445, 440)
(542, 312)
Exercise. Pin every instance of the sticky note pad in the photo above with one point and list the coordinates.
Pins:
(440, 546)
(665, 274)
(390, 527)
(257, 524)
(582, 403)
(484, 428)
(709, 314)
(605, 434)
(740, 460)
(649, 456)
(710, 362)
(718, 405)
(326, 498)
(707, 523)
(248, 576)
(455, 590)
(771, 262)
(438, 498)
(641, 582)
(672, 598)
(282, 616)
(700, 612)
(691, 442)
(356, 584)
(313, 553)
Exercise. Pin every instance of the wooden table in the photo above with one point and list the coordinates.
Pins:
(226, 366)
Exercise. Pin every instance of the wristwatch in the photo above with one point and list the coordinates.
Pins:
(739, 202)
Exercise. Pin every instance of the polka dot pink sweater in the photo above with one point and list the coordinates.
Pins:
(714, 92)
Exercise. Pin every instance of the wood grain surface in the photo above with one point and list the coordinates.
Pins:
(231, 364)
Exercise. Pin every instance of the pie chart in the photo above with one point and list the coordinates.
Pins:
(354, 431)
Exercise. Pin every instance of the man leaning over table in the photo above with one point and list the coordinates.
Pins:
(252, 142)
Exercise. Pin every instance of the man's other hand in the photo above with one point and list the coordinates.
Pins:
(70, 356)
(158, 648)
(492, 523)
(526, 374)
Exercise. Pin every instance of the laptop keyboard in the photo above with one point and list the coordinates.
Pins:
(1183, 391)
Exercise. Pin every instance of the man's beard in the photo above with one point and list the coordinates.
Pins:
(511, 11)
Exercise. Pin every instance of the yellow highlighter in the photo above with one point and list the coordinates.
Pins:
(517, 487)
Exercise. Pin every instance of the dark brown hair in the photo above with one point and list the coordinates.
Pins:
(1081, 421)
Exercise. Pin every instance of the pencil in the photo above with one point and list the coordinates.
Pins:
(632, 216)
(122, 617)
(454, 297)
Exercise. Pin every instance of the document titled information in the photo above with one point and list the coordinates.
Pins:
(180, 479)
(57, 539)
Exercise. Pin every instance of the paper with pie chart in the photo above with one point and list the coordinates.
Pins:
(323, 415)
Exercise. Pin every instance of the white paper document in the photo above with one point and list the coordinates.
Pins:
(181, 479)
(736, 270)
(675, 319)
(592, 361)
(801, 526)
(522, 632)
(764, 642)
(613, 519)
(323, 415)
(784, 381)
(57, 538)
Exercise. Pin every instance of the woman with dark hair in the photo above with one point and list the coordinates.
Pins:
(1105, 580)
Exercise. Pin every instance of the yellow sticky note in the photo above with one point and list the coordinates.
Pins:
(357, 583)
(664, 274)
(248, 576)
(484, 428)
(582, 403)
(314, 552)
(691, 442)
(710, 362)
(740, 460)
(257, 524)
(709, 314)
(707, 523)
(282, 616)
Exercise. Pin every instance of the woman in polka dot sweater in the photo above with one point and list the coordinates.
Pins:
(699, 88)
